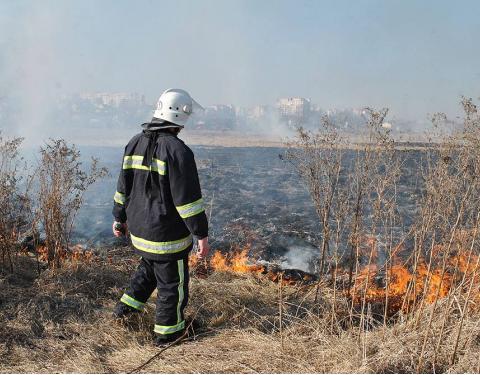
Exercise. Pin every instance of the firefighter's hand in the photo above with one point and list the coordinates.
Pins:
(119, 229)
(203, 248)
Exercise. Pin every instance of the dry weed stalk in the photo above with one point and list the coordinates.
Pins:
(62, 184)
(353, 189)
(356, 199)
(14, 201)
(317, 157)
(450, 209)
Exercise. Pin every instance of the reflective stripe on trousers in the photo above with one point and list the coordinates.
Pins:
(132, 302)
(165, 330)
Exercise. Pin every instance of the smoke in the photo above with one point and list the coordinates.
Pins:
(301, 258)
(237, 53)
(271, 125)
(294, 253)
(32, 62)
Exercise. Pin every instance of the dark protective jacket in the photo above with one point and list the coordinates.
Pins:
(159, 196)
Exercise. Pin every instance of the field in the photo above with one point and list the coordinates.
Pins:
(353, 259)
(62, 323)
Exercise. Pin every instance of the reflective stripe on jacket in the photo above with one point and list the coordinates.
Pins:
(159, 196)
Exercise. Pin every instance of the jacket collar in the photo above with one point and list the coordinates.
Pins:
(157, 124)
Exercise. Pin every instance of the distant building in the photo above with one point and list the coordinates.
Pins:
(241, 111)
(294, 110)
(116, 99)
(219, 117)
(316, 108)
(259, 111)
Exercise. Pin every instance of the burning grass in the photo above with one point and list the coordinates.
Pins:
(238, 262)
(59, 321)
(405, 285)
(401, 286)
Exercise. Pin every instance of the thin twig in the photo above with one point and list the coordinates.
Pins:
(155, 356)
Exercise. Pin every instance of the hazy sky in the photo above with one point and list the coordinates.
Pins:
(416, 57)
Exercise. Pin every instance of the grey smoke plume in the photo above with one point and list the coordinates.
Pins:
(269, 126)
(241, 52)
(32, 68)
(295, 253)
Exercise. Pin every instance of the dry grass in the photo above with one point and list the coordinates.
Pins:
(61, 323)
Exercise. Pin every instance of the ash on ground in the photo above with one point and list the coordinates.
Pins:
(252, 198)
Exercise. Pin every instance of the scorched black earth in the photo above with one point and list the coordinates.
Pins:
(251, 196)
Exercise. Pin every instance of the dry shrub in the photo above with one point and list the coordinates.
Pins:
(318, 157)
(447, 228)
(353, 188)
(14, 202)
(423, 278)
(62, 184)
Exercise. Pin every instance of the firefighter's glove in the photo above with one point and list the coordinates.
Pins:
(119, 229)
(203, 248)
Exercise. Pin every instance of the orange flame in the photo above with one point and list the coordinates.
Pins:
(405, 285)
(238, 262)
(75, 254)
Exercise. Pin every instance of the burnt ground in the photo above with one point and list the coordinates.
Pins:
(253, 197)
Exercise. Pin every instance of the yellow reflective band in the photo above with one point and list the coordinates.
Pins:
(191, 209)
(169, 247)
(181, 273)
(119, 198)
(132, 302)
(136, 162)
(158, 166)
(165, 330)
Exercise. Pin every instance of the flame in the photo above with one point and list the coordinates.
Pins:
(402, 285)
(218, 262)
(238, 262)
(74, 254)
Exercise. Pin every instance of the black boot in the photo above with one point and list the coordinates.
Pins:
(165, 340)
(123, 311)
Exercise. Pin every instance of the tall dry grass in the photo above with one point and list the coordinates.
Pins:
(39, 200)
(423, 273)
(60, 322)
(15, 204)
(414, 308)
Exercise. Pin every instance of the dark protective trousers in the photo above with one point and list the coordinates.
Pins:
(171, 280)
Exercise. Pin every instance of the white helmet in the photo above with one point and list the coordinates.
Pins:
(175, 106)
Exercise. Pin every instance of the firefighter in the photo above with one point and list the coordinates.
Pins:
(159, 202)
